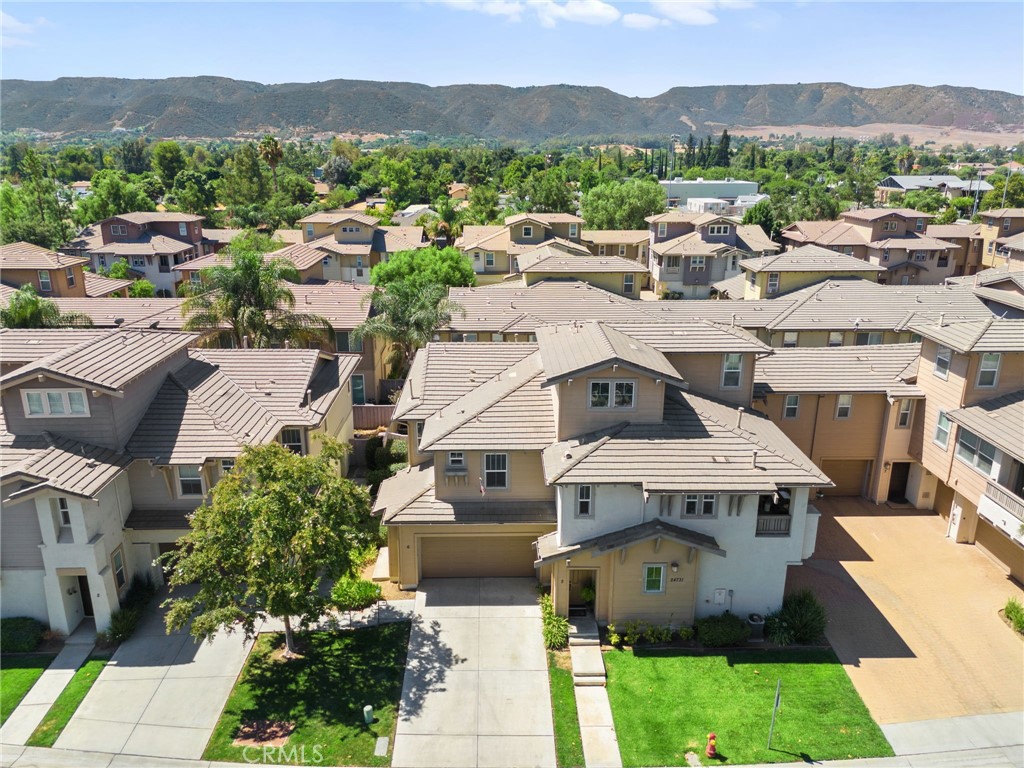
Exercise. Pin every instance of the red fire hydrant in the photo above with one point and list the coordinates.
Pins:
(711, 751)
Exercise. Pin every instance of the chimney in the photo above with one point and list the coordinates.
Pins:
(942, 319)
(287, 344)
(245, 342)
(739, 418)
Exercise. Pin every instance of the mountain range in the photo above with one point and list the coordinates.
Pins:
(216, 107)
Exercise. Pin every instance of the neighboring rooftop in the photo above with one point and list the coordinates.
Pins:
(62, 465)
(28, 256)
(991, 335)
(148, 217)
(98, 286)
(553, 261)
(884, 368)
(809, 258)
(615, 236)
(25, 345)
(1000, 421)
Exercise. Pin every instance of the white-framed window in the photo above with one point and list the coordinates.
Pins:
(101, 260)
(752, 279)
(358, 389)
(622, 251)
(835, 338)
(195, 229)
(885, 254)
(45, 286)
(64, 512)
(628, 282)
(848, 250)
(699, 505)
(943, 355)
(972, 450)
(919, 225)
(602, 250)
(62, 403)
(654, 578)
(988, 369)
(69, 275)
(612, 394)
(359, 261)
(773, 282)
(889, 226)
(346, 342)
(119, 229)
(791, 408)
(190, 481)
(476, 255)
(906, 413)
(182, 229)
(718, 229)
(138, 262)
(195, 277)
(117, 566)
(844, 406)
(697, 263)
(790, 339)
(662, 229)
(672, 263)
(942, 428)
(419, 432)
(868, 338)
(527, 230)
(456, 459)
(734, 262)
(309, 231)
(490, 259)
(354, 230)
(573, 229)
(227, 466)
(732, 370)
(920, 255)
(584, 501)
(291, 438)
(496, 470)
(497, 337)
(1006, 223)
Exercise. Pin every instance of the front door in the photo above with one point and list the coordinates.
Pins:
(582, 582)
(898, 476)
(83, 590)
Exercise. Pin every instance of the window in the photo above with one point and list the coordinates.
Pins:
(752, 279)
(527, 231)
(1006, 223)
(309, 231)
(889, 226)
(773, 282)
(942, 427)
(350, 229)
(45, 286)
(790, 339)
(584, 495)
(906, 413)
(920, 255)
(195, 277)
(346, 342)
(885, 254)
(654, 578)
(699, 504)
(497, 337)
(195, 229)
(972, 450)
(868, 339)
(672, 263)
(64, 512)
(718, 229)
(943, 260)
(226, 466)
(662, 229)
(732, 370)
(190, 481)
(734, 261)
(496, 470)
(622, 251)
(490, 259)
(791, 407)
(291, 439)
(54, 402)
(919, 225)
(102, 260)
(608, 394)
(119, 229)
(835, 338)
(117, 565)
(476, 255)
(419, 432)
(627, 282)
(359, 261)
(358, 389)
(573, 229)
(456, 459)
(138, 262)
(988, 370)
(697, 263)
(69, 274)
(844, 406)
(848, 250)
(601, 250)
(182, 229)
(942, 357)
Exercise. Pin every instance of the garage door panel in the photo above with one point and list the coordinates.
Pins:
(469, 556)
(848, 475)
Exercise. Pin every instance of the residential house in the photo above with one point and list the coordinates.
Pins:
(970, 436)
(493, 250)
(110, 439)
(771, 275)
(97, 286)
(744, 203)
(629, 244)
(1011, 249)
(1001, 289)
(50, 273)
(458, 191)
(967, 238)
(552, 261)
(410, 215)
(949, 185)
(999, 224)
(596, 458)
(679, 191)
(350, 244)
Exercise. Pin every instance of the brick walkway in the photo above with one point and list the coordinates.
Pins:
(912, 615)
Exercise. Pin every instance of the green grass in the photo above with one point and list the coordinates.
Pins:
(568, 745)
(67, 702)
(665, 703)
(323, 693)
(17, 675)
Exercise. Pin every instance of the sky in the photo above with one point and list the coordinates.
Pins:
(633, 48)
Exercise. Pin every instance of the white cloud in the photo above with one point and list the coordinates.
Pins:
(643, 21)
(692, 12)
(581, 11)
(14, 33)
(510, 9)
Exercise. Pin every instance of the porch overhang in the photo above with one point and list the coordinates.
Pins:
(548, 549)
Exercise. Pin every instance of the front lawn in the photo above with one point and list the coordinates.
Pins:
(59, 715)
(322, 694)
(568, 744)
(17, 675)
(665, 703)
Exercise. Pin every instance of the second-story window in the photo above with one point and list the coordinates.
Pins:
(920, 255)
(662, 229)
(672, 263)
(868, 339)
(309, 231)
(718, 229)
(226, 466)
(988, 369)
(972, 450)
(697, 263)
(69, 274)
(773, 282)
(844, 406)
(790, 339)
(732, 370)
(942, 427)
(622, 251)
(919, 225)
(584, 501)
(45, 286)
(791, 407)
(291, 439)
(835, 338)
(699, 505)
(190, 481)
(573, 229)
(942, 357)
(601, 250)
(527, 231)
(496, 470)
(64, 511)
(456, 460)
(609, 394)
(182, 229)
(139, 262)
(62, 403)
(119, 229)
(906, 413)
(1006, 223)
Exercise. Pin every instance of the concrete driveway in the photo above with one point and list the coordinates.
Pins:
(476, 686)
(160, 695)
(913, 615)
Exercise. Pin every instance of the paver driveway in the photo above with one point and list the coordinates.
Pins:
(476, 686)
(161, 695)
(913, 615)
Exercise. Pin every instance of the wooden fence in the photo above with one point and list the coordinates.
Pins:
(372, 416)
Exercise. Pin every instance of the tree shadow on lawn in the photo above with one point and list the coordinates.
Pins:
(740, 656)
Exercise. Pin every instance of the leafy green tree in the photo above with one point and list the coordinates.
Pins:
(253, 241)
(927, 200)
(550, 192)
(1014, 192)
(406, 316)
(958, 208)
(816, 204)
(294, 190)
(396, 178)
(624, 205)
(131, 155)
(193, 193)
(112, 194)
(279, 528)
(168, 161)
(141, 289)
(243, 181)
(271, 153)
(421, 267)
(27, 309)
(75, 163)
(483, 205)
(338, 171)
(768, 217)
(721, 158)
(39, 210)
(249, 303)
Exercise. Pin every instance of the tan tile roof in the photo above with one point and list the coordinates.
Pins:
(675, 216)
(915, 243)
(105, 311)
(943, 231)
(67, 466)
(991, 335)
(148, 217)
(548, 548)
(107, 362)
(999, 296)
(490, 237)
(758, 313)
(1004, 213)
(752, 238)
(337, 217)
(543, 218)
(551, 260)
(344, 305)
(874, 214)
(97, 286)
(697, 448)
(87, 239)
(329, 245)
(687, 244)
(23, 345)
(15, 449)
(227, 235)
(1000, 421)
(147, 245)
(573, 348)
(880, 368)
(28, 256)
(994, 276)
(694, 335)
(1015, 243)
(397, 239)
(809, 258)
(731, 288)
(615, 236)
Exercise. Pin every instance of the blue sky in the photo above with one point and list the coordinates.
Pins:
(635, 48)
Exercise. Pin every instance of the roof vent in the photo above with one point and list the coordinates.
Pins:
(753, 460)
(567, 456)
(739, 420)
(942, 319)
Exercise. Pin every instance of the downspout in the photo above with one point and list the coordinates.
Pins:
(814, 432)
(880, 461)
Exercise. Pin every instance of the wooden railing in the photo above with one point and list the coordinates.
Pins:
(1006, 499)
(773, 525)
(372, 416)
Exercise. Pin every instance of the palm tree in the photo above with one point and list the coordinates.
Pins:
(271, 153)
(250, 303)
(406, 317)
(27, 309)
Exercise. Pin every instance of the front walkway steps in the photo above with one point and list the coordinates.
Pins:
(585, 652)
(597, 729)
(382, 568)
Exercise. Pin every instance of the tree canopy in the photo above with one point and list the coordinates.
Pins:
(112, 193)
(623, 205)
(278, 528)
(420, 267)
(27, 309)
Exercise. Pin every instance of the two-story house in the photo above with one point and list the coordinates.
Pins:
(559, 260)
(493, 250)
(110, 440)
(689, 252)
(629, 244)
(50, 273)
(970, 436)
(999, 224)
(347, 244)
(967, 238)
(618, 459)
(773, 274)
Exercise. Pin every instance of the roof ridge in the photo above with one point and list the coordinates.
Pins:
(210, 410)
(607, 433)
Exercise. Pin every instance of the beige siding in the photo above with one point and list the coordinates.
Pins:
(801, 429)
(1009, 379)
(704, 375)
(575, 417)
(609, 281)
(945, 395)
(858, 437)
(478, 258)
(820, 338)
(525, 479)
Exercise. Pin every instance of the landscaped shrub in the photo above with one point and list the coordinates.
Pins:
(656, 635)
(685, 633)
(351, 593)
(633, 632)
(722, 631)
(614, 638)
(122, 624)
(801, 620)
(20, 634)
(555, 628)
(372, 445)
(1015, 614)
(139, 593)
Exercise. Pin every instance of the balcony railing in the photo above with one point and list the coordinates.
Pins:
(773, 525)
(1006, 499)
